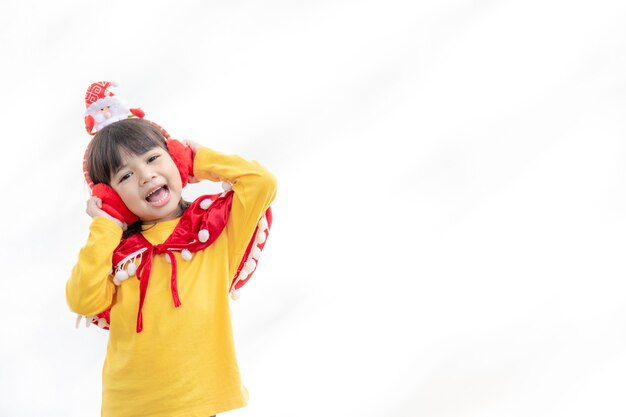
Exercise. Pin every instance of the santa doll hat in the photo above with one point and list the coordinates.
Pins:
(104, 107)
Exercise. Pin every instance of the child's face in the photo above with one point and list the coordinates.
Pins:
(150, 185)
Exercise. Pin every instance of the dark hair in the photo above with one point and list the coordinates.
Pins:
(132, 136)
(104, 155)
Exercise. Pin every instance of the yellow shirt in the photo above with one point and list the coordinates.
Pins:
(183, 362)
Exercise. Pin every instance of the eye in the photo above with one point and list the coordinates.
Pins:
(124, 177)
(153, 158)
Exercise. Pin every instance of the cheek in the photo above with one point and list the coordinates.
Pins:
(178, 181)
(174, 174)
(128, 196)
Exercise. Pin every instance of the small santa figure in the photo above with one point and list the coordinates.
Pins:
(104, 107)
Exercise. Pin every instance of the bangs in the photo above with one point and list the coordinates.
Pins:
(130, 137)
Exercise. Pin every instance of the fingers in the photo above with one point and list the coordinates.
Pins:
(94, 209)
(193, 145)
(93, 205)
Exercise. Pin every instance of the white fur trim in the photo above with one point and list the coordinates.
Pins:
(104, 102)
(235, 294)
(102, 323)
(112, 119)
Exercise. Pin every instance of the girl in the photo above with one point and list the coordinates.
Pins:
(170, 350)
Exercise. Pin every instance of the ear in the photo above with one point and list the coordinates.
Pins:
(112, 203)
(183, 158)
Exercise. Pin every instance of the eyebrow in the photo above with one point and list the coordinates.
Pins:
(121, 167)
(126, 165)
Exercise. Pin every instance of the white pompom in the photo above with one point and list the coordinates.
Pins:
(226, 186)
(167, 258)
(260, 237)
(120, 276)
(205, 204)
(102, 323)
(203, 235)
(243, 275)
(250, 264)
(263, 223)
(186, 254)
(235, 294)
(255, 252)
(131, 269)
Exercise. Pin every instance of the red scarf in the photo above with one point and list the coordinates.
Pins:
(198, 228)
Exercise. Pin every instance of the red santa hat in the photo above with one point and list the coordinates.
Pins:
(98, 91)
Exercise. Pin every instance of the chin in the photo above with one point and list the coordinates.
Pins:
(162, 213)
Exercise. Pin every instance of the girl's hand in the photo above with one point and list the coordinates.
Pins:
(94, 209)
(194, 147)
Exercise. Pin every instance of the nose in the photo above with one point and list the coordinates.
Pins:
(147, 176)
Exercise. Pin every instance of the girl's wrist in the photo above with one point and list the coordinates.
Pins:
(118, 223)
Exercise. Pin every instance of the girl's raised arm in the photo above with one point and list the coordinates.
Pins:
(90, 290)
(254, 189)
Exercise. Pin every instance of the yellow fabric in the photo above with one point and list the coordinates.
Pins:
(183, 362)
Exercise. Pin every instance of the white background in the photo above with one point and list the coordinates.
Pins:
(449, 229)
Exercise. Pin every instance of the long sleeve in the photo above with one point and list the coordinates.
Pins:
(254, 188)
(89, 290)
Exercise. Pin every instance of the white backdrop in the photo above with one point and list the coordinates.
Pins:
(449, 229)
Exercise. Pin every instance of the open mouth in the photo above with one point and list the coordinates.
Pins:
(159, 196)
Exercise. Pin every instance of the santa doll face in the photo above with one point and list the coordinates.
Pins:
(149, 184)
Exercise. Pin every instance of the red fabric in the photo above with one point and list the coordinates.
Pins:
(138, 112)
(236, 284)
(112, 204)
(89, 123)
(96, 91)
(184, 236)
(183, 158)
